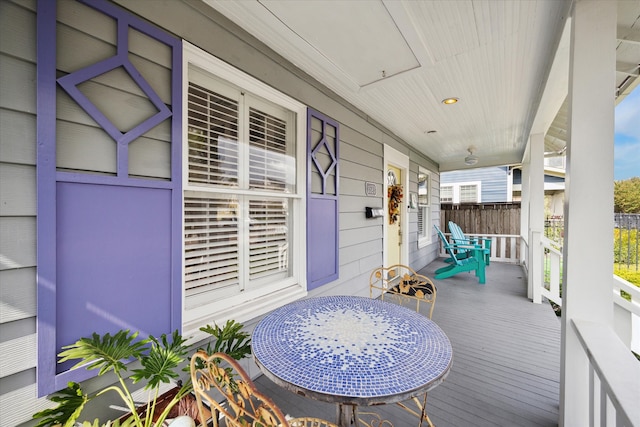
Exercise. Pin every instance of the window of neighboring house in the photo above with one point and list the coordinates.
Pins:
(243, 194)
(424, 207)
(469, 193)
(446, 194)
(463, 192)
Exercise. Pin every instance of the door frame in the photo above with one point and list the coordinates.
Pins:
(399, 160)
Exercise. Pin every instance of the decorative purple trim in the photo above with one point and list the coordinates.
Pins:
(322, 208)
(71, 81)
(48, 380)
(46, 194)
(112, 180)
(334, 160)
(176, 178)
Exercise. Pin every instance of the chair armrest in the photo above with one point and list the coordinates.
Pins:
(466, 246)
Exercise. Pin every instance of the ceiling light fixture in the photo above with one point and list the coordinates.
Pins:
(471, 160)
(449, 101)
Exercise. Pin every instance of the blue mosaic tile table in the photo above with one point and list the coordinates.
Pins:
(351, 350)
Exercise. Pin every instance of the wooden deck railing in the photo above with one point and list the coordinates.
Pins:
(504, 247)
(614, 376)
(626, 296)
(552, 256)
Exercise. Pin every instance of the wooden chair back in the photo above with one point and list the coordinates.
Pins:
(459, 238)
(402, 282)
(226, 388)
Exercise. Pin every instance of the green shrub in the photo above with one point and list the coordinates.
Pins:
(625, 246)
(628, 274)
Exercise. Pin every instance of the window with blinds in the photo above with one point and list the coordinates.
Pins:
(213, 138)
(424, 208)
(239, 193)
(211, 245)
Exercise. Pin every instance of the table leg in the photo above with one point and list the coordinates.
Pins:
(347, 415)
(422, 407)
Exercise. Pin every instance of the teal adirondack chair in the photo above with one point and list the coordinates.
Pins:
(458, 237)
(474, 262)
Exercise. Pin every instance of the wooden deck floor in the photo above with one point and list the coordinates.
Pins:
(506, 357)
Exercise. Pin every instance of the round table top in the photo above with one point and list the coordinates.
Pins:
(352, 350)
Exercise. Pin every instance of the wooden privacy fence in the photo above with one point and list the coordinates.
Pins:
(484, 218)
(498, 221)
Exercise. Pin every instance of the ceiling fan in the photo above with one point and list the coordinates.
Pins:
(471, 159)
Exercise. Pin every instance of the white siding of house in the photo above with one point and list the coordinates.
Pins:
(361, 155)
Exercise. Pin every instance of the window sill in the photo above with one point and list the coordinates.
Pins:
(423, 242)
(241, 311)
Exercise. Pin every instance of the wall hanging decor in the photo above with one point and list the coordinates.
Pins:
(394, 193)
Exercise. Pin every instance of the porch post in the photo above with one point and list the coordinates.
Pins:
(588, 241)
(525, 255)
(536, 215)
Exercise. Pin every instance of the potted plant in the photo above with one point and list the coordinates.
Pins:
(160, 360)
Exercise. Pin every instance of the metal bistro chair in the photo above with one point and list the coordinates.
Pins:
(400, 281)
(219, 381)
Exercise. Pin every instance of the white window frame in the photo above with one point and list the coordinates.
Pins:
(442, 187)
(456, 191)
(426, 238)
(247, 305)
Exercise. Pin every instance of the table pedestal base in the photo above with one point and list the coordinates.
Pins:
(347, 415)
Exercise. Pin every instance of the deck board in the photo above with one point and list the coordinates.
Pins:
(506, 363)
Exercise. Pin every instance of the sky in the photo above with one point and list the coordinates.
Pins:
(626, 162)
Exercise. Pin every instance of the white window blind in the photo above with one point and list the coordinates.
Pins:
(268, 152)
(213, 138)
(240, 188)
(421, 225)
(268, 238)
(424, 207)
(211, 244)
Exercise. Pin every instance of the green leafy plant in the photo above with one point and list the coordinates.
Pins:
(230, 339)
(159, 358)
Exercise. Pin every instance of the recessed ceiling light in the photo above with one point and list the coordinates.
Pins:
(449, 101)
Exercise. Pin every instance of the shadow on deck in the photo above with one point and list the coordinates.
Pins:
(506, 363)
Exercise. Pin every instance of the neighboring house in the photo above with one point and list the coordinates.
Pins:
(156, 178)
(480, 185)
(503, 184)
(554, 186)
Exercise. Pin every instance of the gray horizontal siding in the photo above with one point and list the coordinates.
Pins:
(17, 294)
(17, 213)
(18, 136)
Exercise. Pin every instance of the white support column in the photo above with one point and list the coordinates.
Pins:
(536, 215)
(588, 243)
(524, 220)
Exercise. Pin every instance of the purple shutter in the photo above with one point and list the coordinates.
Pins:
(109, 253)
(323, 140)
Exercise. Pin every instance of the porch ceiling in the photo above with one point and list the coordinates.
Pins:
(396, 60)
